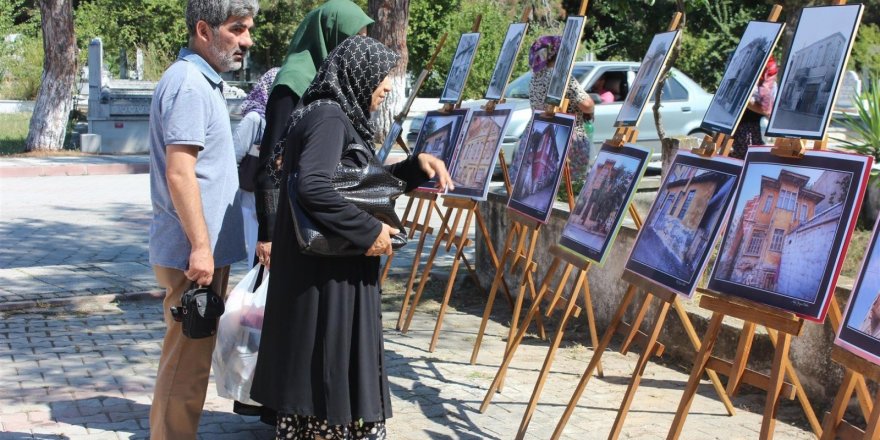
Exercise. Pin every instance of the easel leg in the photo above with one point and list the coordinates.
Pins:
(799, 389)
(451, 283)
(636, 378)
(415, 263)
(742, 356)
(499, 276)
(390, 258)
(829, 428)
(777, 376)
(700, 362)
(873, 428)
(426, 273)
(551, 355)
(591, 321)
(492, 254)
(594, 361)
(695, 342)
(636, 324)
(862, 392)
(517, 308)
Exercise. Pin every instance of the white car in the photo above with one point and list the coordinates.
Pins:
(683, 105)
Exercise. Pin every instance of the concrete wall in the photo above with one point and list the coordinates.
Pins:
(810, 352)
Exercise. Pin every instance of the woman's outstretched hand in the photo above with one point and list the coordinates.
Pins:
(436, 169)
(382, 245)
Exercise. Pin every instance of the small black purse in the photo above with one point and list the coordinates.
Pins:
(200, 309)
(371, 188)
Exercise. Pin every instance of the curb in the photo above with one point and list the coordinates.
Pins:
(81, 300)
(73, 170)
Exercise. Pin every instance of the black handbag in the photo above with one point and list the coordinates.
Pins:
(200, 309)
(371, 188)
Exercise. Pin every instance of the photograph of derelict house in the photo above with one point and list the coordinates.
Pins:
(602, 203)
(475, 159)
(516, 32)
(540, 168)
(817, 56)
(860, 332)
(683, 224)
(438, 137)
(461, 66)
(784, 239)
(646, 78)
(741, 76)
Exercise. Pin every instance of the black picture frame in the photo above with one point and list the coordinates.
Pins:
(393, 133)
(571, 38)
(460, 68)
(510, 49)
(477, 155)
(439, 137)
(852, 335)
(646, 80)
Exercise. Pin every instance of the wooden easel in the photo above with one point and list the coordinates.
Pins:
(651, 346)
(456, 208)
(856, 370)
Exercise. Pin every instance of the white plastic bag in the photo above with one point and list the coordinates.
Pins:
(238, 337)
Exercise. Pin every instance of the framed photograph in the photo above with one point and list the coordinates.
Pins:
(460, 68)
(602, 203)
(388, 145)
(571, 38)
(516, 32)
(439, 137)
(741, 76)
(540, 169)
(646, 79)
(860, 329)
(475, 159)
(788, 231)
(683, 226)
(818, 54)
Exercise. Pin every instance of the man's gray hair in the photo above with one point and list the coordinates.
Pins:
(215, 12)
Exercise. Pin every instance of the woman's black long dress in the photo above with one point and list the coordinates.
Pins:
(321, 352)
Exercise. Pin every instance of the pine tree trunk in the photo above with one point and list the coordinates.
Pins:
(54, 98)
(392, 21)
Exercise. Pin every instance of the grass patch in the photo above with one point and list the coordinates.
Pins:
(858, 245)
(13, 132)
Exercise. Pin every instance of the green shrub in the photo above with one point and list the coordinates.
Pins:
(22, 62)
(865, 126)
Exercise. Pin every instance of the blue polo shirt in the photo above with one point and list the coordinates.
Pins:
(188, 108)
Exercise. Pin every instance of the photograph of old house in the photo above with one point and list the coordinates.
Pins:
(741, 76)
(540, 169)
(784, 238)
(388, 145)
(571, 38)
(816, 58)
(860, 330)
(475, 159)
(461, 66)
(682, 227)
(438, 137)
(506, 60)
(601, 205)
(646, 78)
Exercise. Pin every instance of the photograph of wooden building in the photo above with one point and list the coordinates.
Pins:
(743, 69)
(684, 221)
(601, 204)
(786, 235)
(438, 137)
(817, 56)
(475, 159)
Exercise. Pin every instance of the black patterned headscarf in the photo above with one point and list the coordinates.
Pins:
(349, 75)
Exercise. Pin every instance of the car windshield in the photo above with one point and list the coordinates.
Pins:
(519, 88)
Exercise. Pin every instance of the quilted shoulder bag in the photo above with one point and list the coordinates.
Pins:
(371, 188)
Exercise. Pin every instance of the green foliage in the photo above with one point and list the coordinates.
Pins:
(274, 28)
(21, 68)
(13, 131)
(866, 51)
(866, 126)
(429, 19)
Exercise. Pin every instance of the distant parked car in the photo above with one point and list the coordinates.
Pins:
(684, 103)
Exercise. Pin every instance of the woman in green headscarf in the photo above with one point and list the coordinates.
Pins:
(322, 29)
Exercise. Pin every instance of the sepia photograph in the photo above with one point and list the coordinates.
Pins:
(475, 159)
(516, 32)
(741, 76)
(540, 169)
(602, 203)
(860, 330)
(816, 58)
(643, 86)
(388, 145)
(673, 246)
(461, 66)
(438, 137)
(786, 233)
(571, 39)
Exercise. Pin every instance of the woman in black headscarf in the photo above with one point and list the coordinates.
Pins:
(321, 355)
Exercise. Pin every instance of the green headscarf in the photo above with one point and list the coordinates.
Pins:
(321, 30)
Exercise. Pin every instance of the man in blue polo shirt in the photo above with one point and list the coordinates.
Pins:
(196, 232)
